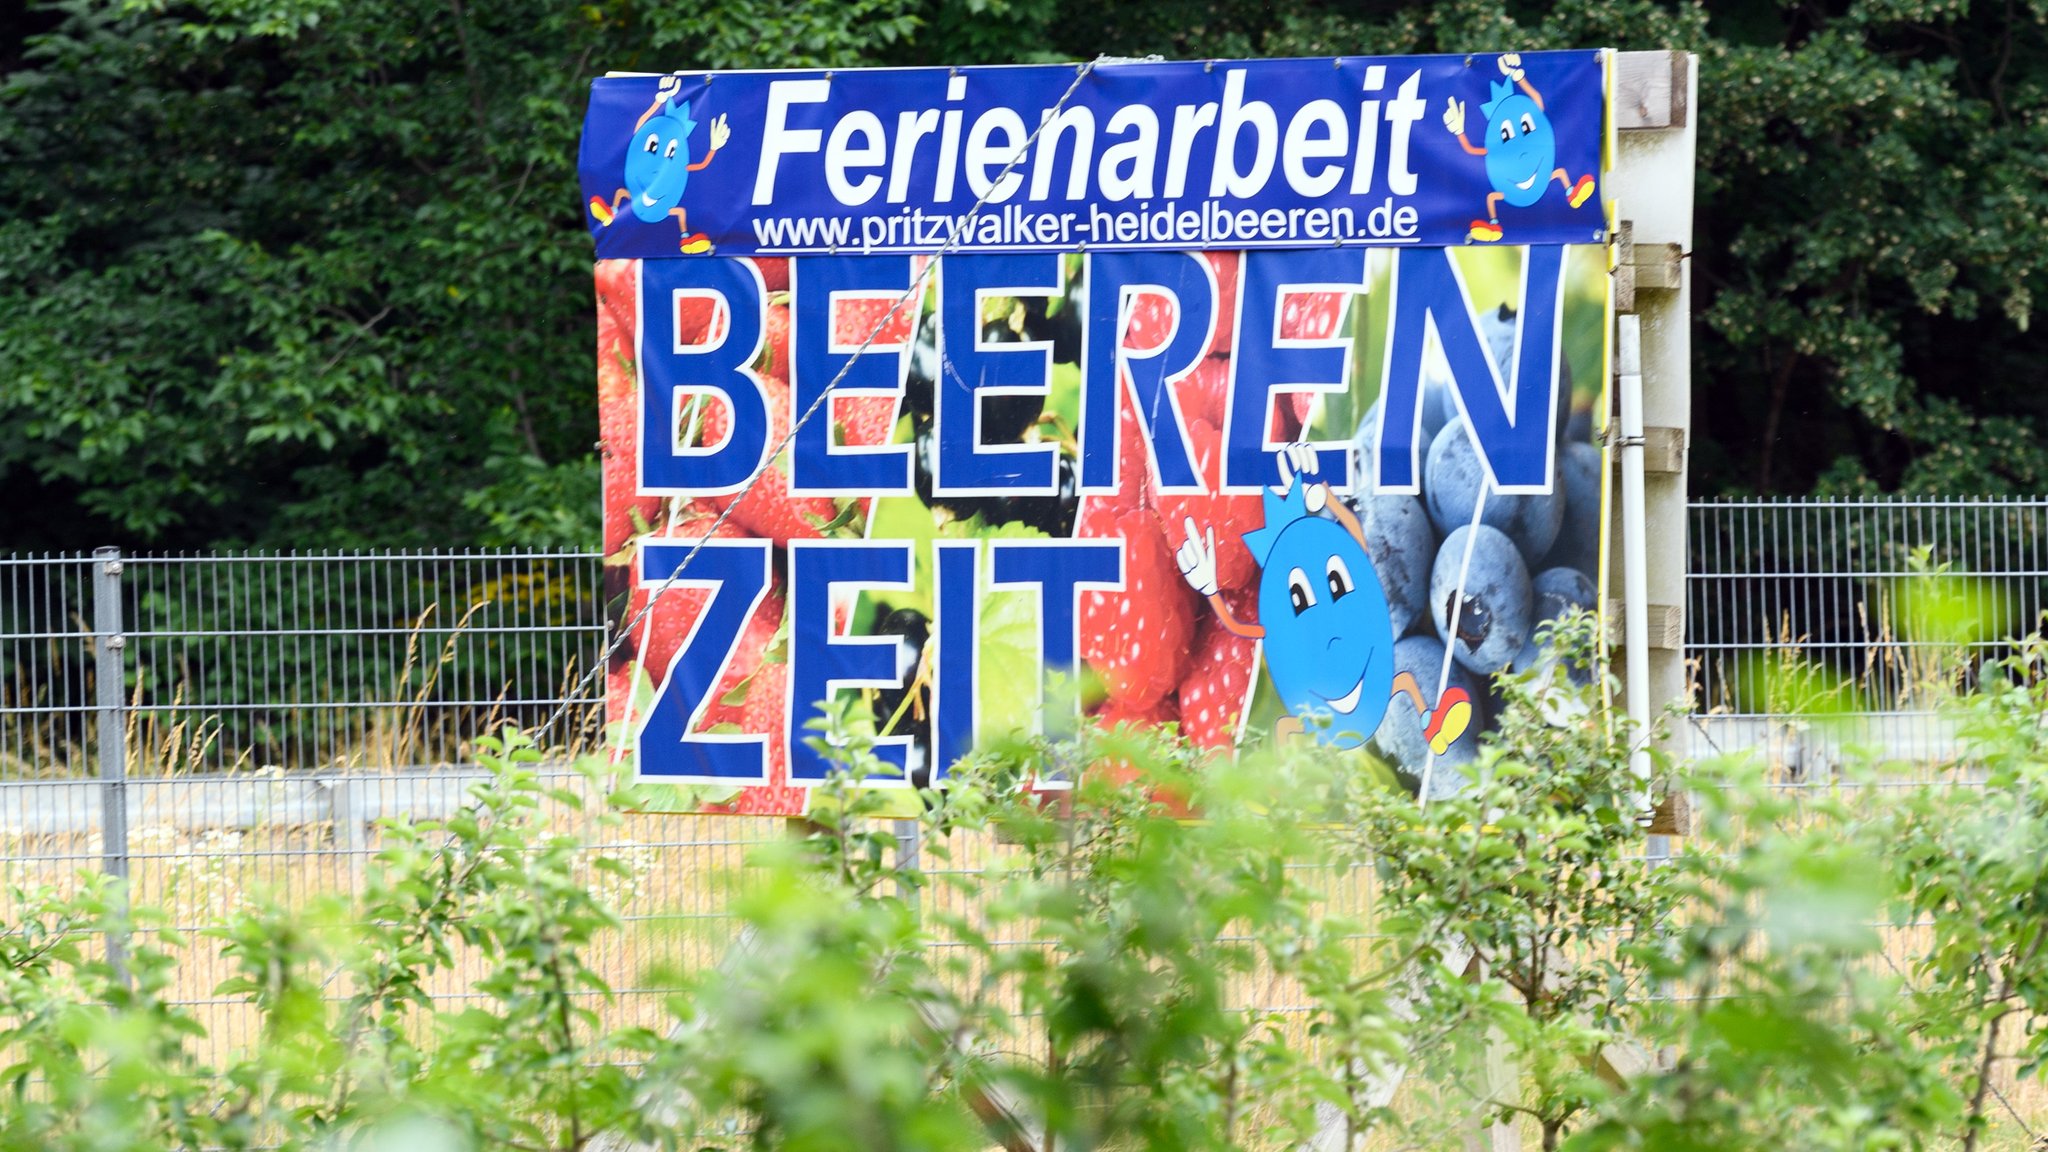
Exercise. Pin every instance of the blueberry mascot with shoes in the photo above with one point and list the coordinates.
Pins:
(1323, 619)
(658, 166)
(1520, 151)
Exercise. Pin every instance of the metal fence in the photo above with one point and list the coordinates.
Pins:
(240, 662)
(173, 695)
(214, 725)
(192, 668)
(1813, 626)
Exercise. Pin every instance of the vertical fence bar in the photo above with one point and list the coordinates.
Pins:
(109, 683)
(909, 839)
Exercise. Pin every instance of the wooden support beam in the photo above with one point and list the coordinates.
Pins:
(1624, 273)
(1331, 1125)
(1663, 451)
(1667, 625)
(1623, 1062)
(1010, 1118)
(666, 1103)
(1500, 1078)
(1650, 91)
(1672, 816)
(1656, 266)
(1618, 1062)
(1642, 266)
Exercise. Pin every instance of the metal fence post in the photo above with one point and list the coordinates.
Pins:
(110, 684)
(909, 839)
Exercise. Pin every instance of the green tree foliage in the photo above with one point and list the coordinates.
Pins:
(296, 272)
(314, 274)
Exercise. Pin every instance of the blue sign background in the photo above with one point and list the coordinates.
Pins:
(1180, 156)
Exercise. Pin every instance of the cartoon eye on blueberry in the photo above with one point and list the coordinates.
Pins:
(1340, 578)
(1521, 165)
(1329, 640)
(658, 171)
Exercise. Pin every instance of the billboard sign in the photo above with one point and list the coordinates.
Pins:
(1257, 488)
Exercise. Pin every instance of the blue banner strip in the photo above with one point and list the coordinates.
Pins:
(1407, 150)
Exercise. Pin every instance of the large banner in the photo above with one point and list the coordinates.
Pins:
(959, 488)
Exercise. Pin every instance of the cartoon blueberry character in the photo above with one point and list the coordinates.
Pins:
(658, 165)
(1329, 640)
(1521, 148)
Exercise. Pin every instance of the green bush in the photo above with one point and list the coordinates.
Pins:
(1087, 968)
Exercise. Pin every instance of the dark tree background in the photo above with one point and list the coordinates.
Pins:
(312, 273)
